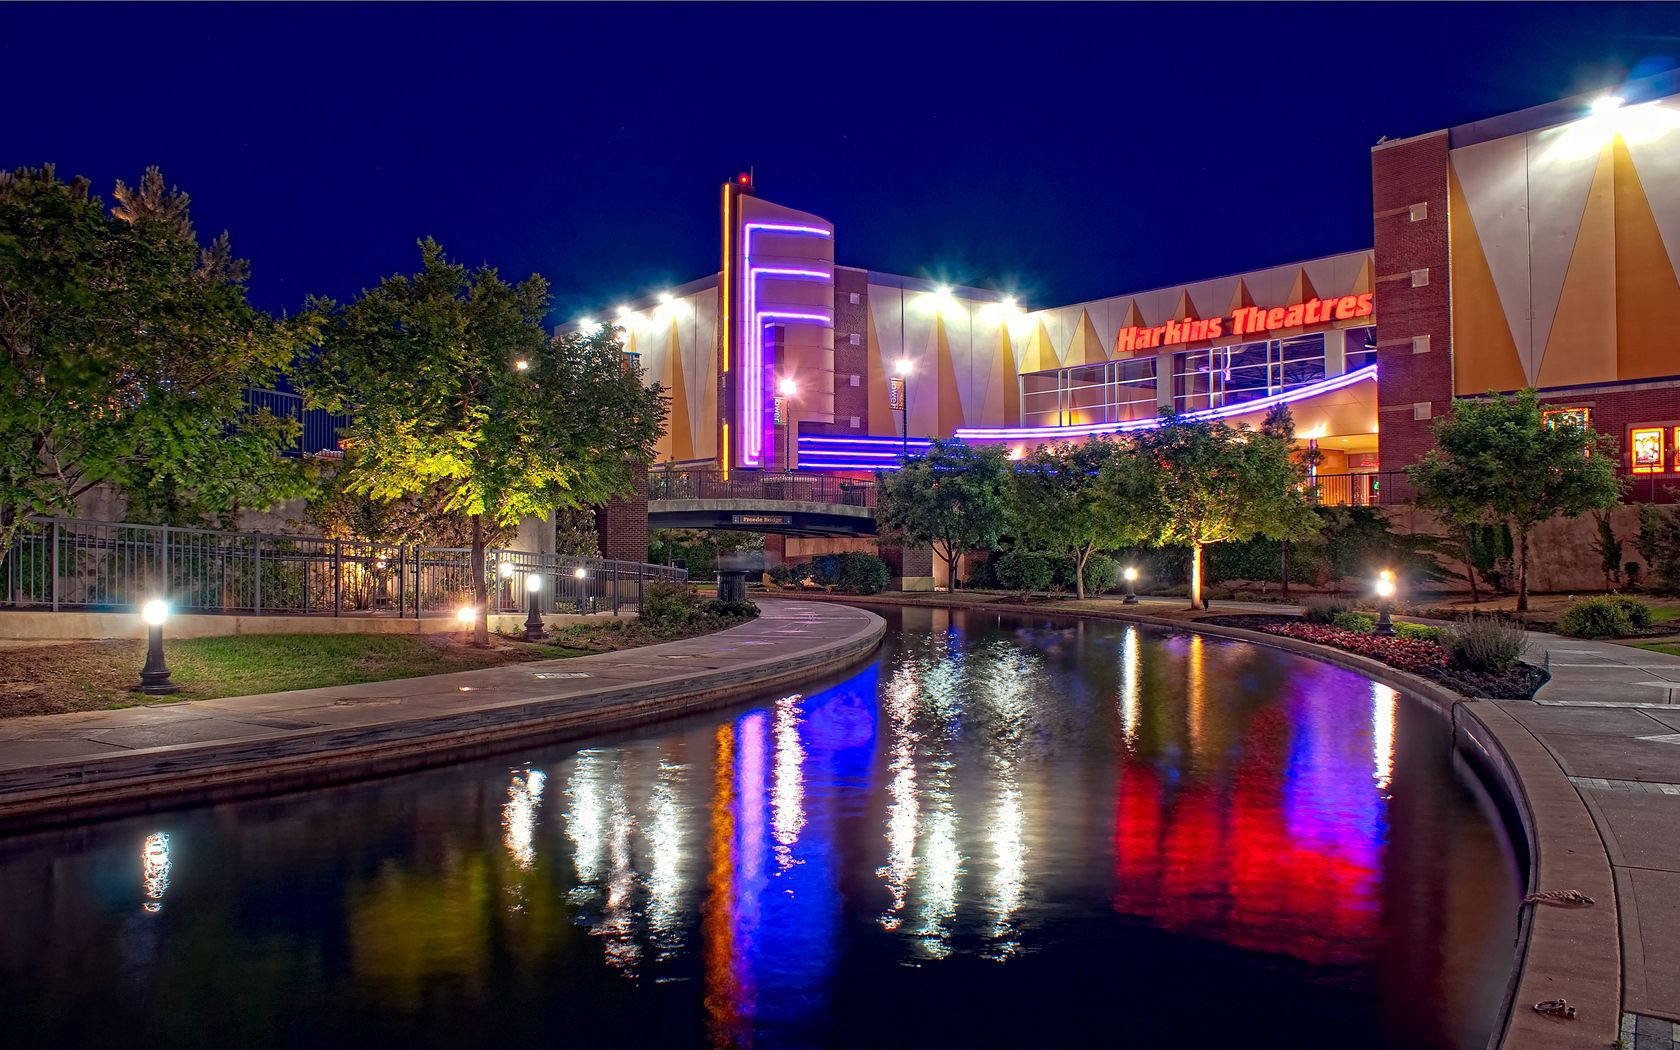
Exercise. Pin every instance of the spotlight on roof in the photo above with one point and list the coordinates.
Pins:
(1606, 104)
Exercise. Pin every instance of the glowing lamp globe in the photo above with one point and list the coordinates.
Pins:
(580, 572)
(155, 612)
(533, 583)
(505, 570)
(467, 615)
(1131, 574)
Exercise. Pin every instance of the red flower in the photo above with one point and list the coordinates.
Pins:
(1407, 654)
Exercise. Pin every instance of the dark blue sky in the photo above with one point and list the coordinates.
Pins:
(1063, 152)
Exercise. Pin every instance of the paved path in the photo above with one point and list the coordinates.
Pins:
(71, 765)
(1610, 718)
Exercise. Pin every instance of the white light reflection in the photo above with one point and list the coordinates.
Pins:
(585, 818)
(1131, 685)
(664, 883)
(1008, 700)
(1384, 702)
(903, 811)
(787, 793)
(519, 817)
(154, 870)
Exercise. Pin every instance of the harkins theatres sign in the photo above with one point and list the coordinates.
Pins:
(1246, 320)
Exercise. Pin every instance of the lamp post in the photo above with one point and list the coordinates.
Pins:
(903, 368)
(1131, 585)
(533, 618)
(154, 677)
(580, 574)
(504, 569)
(467, 618)
(1385, 595)
(787, 388)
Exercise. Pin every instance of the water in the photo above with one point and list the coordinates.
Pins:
(1001, 831)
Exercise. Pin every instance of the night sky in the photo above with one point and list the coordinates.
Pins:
(1061, 153)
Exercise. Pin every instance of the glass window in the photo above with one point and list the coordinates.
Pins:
(1302, 362)
(1647, 444)
(1361, 348)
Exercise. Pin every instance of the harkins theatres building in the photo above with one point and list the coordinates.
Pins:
(1538, 248)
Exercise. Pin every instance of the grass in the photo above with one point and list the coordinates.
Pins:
(86, 676)
(1668, 648)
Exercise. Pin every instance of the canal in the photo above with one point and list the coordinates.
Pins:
(1001, 831)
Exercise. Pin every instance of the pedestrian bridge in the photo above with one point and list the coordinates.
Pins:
(790, 504)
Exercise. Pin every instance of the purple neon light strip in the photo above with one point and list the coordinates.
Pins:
(752, 355)
(1369, 372)
(755, 447)
(816, 440)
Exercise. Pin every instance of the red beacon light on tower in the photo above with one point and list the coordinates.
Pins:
(744, 178)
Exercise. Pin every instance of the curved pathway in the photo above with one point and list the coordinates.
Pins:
(100, 763)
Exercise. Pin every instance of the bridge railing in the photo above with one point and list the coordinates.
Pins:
(67, 563)
(1385, 488)
(757, 485)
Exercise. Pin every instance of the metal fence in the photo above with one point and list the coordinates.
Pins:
(320, 428)
(1385, 488)
(739, 484)
(69, 563)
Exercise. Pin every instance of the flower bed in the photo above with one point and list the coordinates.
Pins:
(1407, 654)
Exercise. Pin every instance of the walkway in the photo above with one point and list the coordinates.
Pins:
(56, 767)
(1610, 719)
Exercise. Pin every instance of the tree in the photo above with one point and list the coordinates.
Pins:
(954, 498)
(126, 349)
(1212, 483)
(455, 389)
(1057, 506)
(1496, 460)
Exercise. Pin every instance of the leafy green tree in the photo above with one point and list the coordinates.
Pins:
(126, 348)
(954, 498)
(1496, 460)
(1202, 483)
(455, 389)
(1059, 507)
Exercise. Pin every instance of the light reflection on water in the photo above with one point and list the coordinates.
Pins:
(995, 811)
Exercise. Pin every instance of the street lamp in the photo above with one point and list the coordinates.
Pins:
(504, 569)
(1385, 593)
(903, 368)
(467, 617)
(1131, 585)
(154, 677)
(581, 574)
(787, 388)
(533, 618)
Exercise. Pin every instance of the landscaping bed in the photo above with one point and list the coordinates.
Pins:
(1420, 656)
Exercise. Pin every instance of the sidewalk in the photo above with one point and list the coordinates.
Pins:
(1610, 719)
(57, 767)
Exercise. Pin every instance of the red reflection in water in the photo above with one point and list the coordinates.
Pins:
(1218, 857)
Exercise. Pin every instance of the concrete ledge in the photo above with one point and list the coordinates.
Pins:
(144, 779)
(757, 506)
(28, 625)
(1567, 953)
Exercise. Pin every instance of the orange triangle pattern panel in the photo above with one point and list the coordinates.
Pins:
(1581, 346)
(1087, 347)
(1487, 357)
(950, 415)
(1647, 294)
(1041, 352)
(877, 375)
(679, 426)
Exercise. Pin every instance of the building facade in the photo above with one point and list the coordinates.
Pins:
(1538, 248)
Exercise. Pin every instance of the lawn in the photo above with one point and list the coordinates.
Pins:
(91, 675)
(1659, 647)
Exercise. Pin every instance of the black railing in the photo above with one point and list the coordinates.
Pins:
(757, 485)
(1382, 488)
(67, 563)
(321, 429)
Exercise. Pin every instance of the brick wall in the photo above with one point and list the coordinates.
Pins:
(1405, 174)
(621, 526)
(1614, 411)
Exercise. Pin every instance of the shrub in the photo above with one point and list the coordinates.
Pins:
(731, 610)
(860, 573)
(1419, 632)
(1484, 643)
(668, 605)
(982, 573)
(1359, 623)
(1605, 616)
(1101, 573)
(1658, 543)
(1325, 610)
(825, 569)
(780, 575)
(1024, 571)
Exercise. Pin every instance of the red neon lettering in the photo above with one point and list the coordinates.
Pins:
(1274, 317)
(1345, 306)
(1365, 305)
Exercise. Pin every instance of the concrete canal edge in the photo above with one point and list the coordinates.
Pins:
(1561, 953)
(147, 779)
